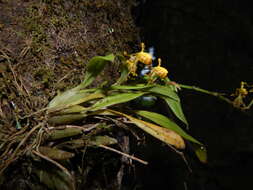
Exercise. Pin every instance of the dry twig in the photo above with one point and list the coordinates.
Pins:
(124, 154)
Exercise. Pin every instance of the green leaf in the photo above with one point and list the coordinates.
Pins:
(131, 87)
(76, 99)
(73, 109)
(176, 108)
(200, 152)
(115, 99)
(94, 67)
(123, 75)
(164, 90)
(167, 123)
(68, 97)
(62, 98)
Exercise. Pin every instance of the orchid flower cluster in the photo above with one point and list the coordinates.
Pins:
(146, 59)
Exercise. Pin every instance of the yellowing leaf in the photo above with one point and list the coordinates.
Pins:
(167, 123)
(166, 135)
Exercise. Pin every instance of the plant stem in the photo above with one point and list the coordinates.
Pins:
(216, 94)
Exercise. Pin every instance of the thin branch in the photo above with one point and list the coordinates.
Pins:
(53, 162)
(124, 154)
(218, 95)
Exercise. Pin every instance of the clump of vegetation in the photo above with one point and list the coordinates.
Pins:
(81, 102)
(81, 117)
(84, 117)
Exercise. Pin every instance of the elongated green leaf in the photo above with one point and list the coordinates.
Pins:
(69, 96)
(76, 99)
(94, 67)
(131, 87)
(167, 123)
(176, 108)
(81, 98)
(166, 135)
(73, 109)
(62, 98)
(115, 99)
(164, 90)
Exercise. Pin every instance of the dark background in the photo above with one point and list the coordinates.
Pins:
(208, 44)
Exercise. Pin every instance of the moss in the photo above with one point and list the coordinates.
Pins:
(46, 45)
(44, 75)
(35, 29)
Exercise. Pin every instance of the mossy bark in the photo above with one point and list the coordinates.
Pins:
(44, 47)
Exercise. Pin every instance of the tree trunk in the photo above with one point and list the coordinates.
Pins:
(44, 48)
